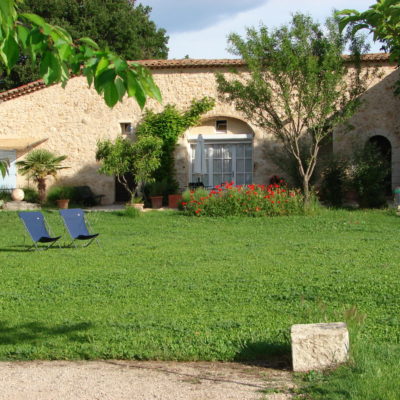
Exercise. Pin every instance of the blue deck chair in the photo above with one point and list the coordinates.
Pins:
(37, 228)
(74, 221)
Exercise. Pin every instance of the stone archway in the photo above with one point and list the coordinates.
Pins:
(384, 147)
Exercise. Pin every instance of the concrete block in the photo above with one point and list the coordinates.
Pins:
(319, 346)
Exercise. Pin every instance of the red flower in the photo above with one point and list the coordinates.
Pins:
(184, 203)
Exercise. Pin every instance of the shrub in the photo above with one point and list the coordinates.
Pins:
(334, 180)
(31, 195)
(5, 195)
(251, 200)
(61, 192)
(368, 176)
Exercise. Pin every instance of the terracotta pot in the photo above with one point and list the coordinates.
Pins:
(174, 200)
(156, 201)
(139, 206)
(62, 203)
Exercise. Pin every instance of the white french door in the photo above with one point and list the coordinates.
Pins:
(226, 162)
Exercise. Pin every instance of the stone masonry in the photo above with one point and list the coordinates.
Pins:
(74, 119)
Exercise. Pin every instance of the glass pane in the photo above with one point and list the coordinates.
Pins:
(227, 152)
(217, 153)
(248, 178)
(249, 151)
(217, 165)
(227, 178)
(249, 165)
(240, 151)
(217, 179)
(227, 166)
(240, 179)
(239, 165)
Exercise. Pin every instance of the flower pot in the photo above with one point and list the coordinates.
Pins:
(62, 203)
(174, 200)
(156, 201)
(139, 206)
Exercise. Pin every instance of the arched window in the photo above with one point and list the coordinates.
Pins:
(227, 152)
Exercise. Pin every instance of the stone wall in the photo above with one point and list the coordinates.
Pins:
(75, 118)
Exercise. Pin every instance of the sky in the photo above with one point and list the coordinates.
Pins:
(199, 28)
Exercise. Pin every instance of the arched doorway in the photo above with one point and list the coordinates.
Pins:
(384, 147)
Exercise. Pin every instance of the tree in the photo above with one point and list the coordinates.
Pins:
(169, 125)
(38, 165)
(117, 24)
(298, 86)
(59, 57)
(382, 19)
(140, 158)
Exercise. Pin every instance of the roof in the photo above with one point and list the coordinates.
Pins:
(168, 64)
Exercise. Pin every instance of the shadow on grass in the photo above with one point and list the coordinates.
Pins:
(35, 331)
(268, 355)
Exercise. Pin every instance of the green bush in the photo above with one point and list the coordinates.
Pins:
(368, 177)
(31, 195)
(251, 200)
(5, 195)
(61, 192)
(334, 180)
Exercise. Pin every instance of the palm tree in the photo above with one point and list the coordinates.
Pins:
(38, 165)
(4, 164)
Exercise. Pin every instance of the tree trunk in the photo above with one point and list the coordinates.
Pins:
(306, 190)
(42, 190)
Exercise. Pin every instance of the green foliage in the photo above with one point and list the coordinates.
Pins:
(251, 201)
(334, 182)
(382, 19)
(298, 87)
(30, 195)
(61, 192)
(5, 195)
(4, 164)
(38, 165)
(140, 158)
(368, 176)
(169, 125)
(115, 24)
(59, 57)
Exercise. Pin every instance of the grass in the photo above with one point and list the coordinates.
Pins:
(169, 287)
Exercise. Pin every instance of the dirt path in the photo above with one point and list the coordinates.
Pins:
(123, 380)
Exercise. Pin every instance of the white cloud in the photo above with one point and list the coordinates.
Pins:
(189, 15)
(211, 42)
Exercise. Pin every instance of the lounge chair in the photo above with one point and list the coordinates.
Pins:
(75, 223)
(37, 228)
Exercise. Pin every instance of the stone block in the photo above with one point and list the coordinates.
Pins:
(319, 346)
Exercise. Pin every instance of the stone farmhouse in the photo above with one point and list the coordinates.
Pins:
(71, 121)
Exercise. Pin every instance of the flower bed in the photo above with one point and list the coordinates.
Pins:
(252, 200)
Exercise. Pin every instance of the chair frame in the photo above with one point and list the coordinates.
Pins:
(35, 243)
(90, 241)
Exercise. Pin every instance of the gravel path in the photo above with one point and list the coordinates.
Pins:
(123, 380)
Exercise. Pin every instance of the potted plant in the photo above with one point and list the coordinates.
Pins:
(156, 192)
(136, 202)
(61, 195)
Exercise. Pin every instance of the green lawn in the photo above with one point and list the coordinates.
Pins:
(166, 286)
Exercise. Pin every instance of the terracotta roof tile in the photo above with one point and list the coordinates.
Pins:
(165, 64)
